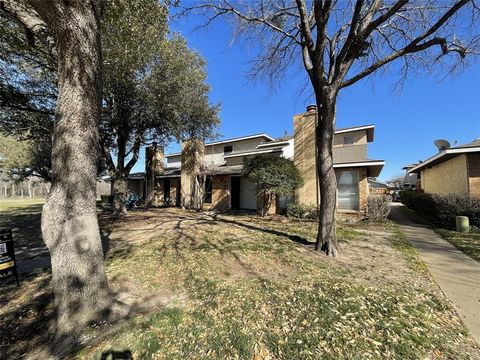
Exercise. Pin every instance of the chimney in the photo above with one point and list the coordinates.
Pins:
(311, 108)
(153, 167)
(192, 161)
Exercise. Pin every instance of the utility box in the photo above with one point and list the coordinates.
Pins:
(462, 224)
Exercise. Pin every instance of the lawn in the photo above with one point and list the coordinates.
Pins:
(468, 243)
(200, 285)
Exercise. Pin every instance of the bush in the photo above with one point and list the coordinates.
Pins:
(303, 211)
(440, 209)
(378, 207)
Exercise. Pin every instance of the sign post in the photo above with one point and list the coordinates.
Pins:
(8, 265)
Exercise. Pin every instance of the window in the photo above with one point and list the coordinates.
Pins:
(208, 190)
(347, 188)
(227, 149)
(348, 140)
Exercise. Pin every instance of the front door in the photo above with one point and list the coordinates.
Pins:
(235, 191)
(248, 194)
(166, 191)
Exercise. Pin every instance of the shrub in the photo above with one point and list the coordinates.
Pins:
(303, 211)
(378, 207)
(441, 209)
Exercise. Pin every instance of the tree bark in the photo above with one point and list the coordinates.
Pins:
(69, 219)
(324, 133)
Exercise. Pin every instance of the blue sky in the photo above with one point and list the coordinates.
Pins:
(428, 108)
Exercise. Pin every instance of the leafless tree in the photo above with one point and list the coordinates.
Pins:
(69, 219)
(339, 43)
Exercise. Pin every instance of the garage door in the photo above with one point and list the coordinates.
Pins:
(248, 194)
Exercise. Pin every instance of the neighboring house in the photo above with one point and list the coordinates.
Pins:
(455, 170)
(411, 179)
(378, 187)
(227, 188)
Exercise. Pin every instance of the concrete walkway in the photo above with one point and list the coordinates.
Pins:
(457, 274)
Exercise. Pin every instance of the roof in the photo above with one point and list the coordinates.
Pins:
(253, 152)
(211, 170)
(226, 141)
(376, 184)
(447, 154)
(409, 166)
(374, 167)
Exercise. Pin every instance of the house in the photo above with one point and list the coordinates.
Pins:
(350, 162)
(453, 170)
(378, 187)
(410, 180)
(222, 164)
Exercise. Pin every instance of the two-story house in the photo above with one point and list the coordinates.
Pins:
(227, 188)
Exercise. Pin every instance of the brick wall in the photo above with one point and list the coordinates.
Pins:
(474, 174)
(304, 160)
(220, 193)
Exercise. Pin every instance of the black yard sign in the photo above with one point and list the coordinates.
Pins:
(8, 265)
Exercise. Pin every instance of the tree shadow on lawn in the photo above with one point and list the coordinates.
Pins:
(29, 323)
(294, 238)
(25, 224)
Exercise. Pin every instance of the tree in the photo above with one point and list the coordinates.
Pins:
(69, 219)
(154, 88)
(273, 175)
(25, 158)
(340, 43)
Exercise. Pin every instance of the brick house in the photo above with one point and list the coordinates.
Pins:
(455, 170)
(226, 187)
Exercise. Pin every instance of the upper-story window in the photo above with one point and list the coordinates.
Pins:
(227, 149)
(348, 140)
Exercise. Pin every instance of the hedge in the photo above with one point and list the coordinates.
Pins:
(440, 209)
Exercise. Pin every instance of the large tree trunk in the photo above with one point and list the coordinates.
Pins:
(120, 190)
(324, 133)
(69, 219)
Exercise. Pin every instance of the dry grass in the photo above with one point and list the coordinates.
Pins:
(242, 287)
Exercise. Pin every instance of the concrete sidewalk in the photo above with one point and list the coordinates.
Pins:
(457, 274)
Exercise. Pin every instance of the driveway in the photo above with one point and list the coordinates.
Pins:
(457, 274)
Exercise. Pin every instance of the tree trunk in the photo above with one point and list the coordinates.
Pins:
(120, 190)
(69, 219)
(324, 133)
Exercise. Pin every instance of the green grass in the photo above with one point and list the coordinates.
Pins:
(468, 243)
(13, 204)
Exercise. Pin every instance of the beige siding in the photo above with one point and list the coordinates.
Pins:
(449, 177)
(214, 153)
(359, 138)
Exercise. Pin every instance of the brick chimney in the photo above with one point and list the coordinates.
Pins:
(153, 167)
(192, 162)
(304, 155)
